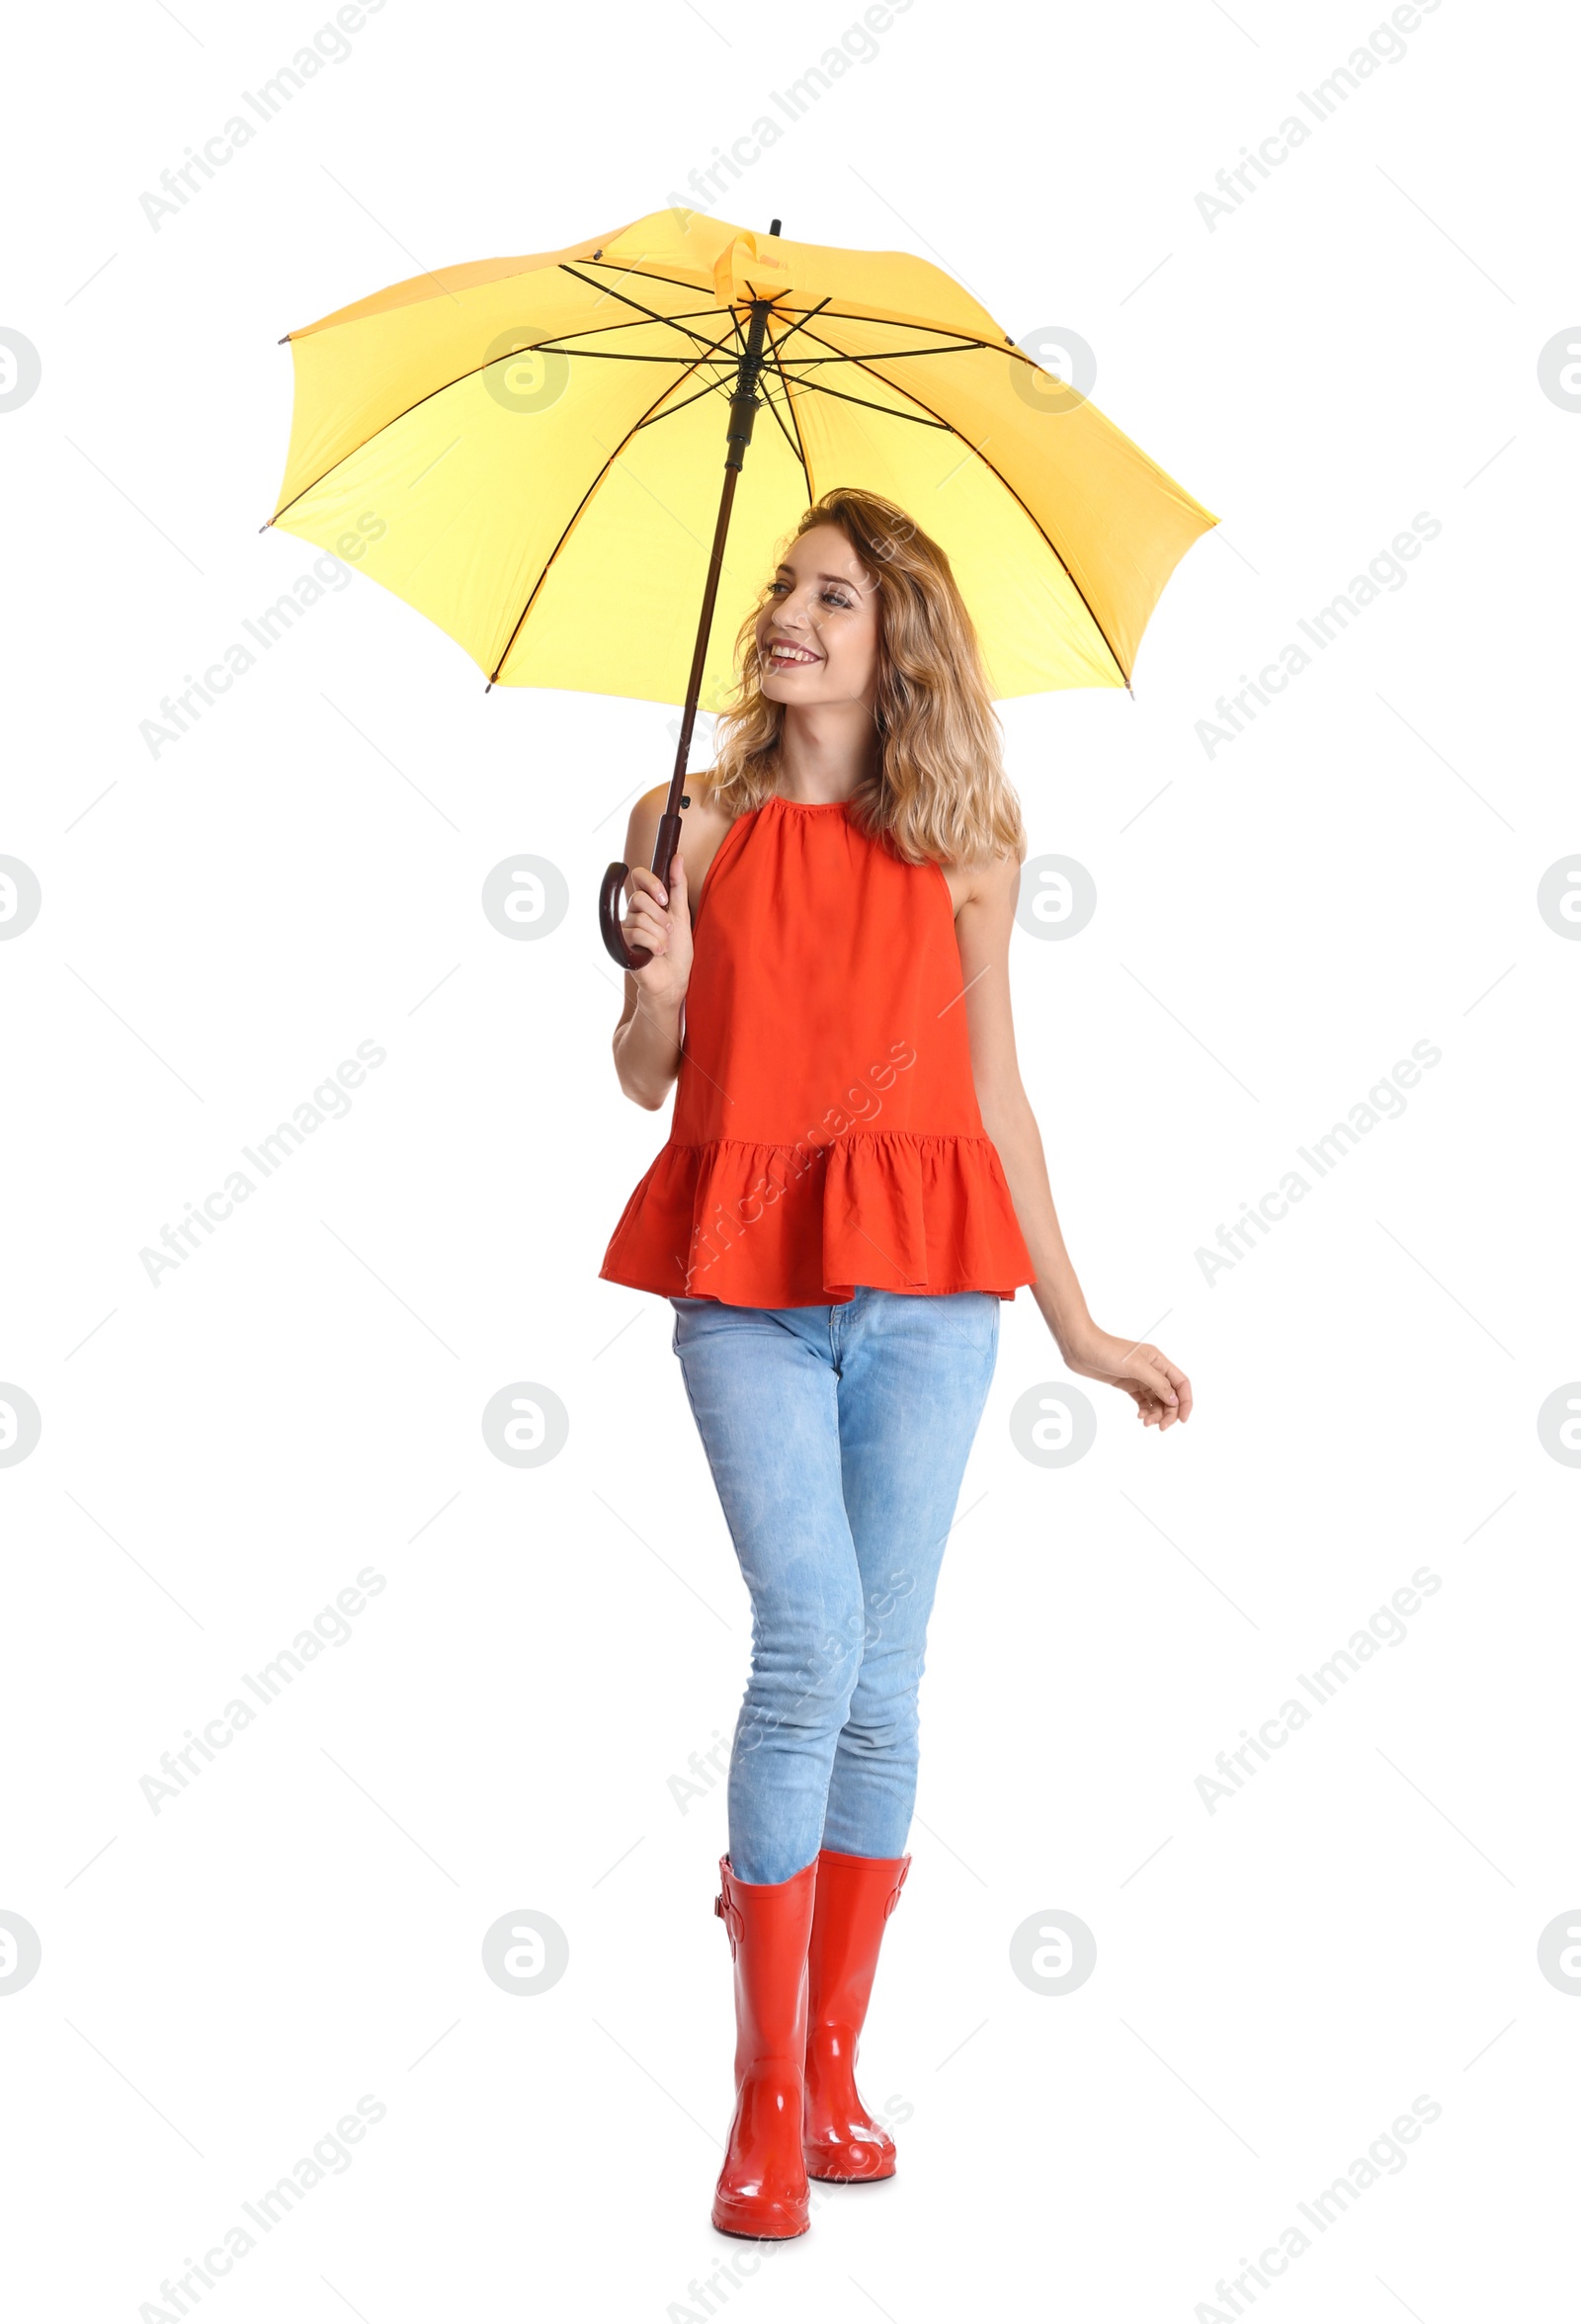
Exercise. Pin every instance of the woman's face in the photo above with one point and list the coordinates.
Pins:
(821, 604)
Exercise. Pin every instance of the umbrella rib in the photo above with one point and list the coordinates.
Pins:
(594, 330)
(621, 323)
(713, 387)
(795, 442)
(899, 354)
(570, 524)
(610, 293)
(775, 346)
(1000, 478)
(690, 362)
(885, 411)
(605, 354)
(805, 319)
(642, 274)
(890, 323)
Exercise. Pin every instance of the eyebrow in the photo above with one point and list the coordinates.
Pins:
(842, 578)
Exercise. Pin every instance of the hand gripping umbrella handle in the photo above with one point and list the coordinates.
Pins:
(614, 878)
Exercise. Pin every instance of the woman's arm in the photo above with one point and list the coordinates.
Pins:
(1161, 1390)
(647, 1039)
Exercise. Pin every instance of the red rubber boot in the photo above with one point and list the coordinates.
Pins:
(762, 2186)
(855, 1897)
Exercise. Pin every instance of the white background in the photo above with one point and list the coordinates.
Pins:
(221, 1981)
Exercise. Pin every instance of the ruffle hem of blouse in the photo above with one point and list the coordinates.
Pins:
(935, 1215)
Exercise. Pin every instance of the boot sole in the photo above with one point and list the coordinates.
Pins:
(761, 2234)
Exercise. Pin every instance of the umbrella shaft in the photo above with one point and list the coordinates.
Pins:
(738, 435)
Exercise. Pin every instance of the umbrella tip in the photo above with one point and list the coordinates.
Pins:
(489, 688)
(264, 526)
(774, 227)
(280, 342)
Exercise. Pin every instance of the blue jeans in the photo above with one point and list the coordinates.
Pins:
(837, 1437)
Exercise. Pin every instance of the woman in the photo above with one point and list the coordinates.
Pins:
(853, 1184)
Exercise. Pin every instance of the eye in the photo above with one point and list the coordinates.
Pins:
(843, 603)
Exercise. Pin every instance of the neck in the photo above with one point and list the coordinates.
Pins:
(827, 752)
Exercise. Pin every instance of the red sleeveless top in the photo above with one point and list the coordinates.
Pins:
(826, 1131)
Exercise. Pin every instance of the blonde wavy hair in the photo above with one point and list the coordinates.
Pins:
(940, 793)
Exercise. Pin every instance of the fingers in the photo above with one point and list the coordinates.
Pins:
(651, 903)
(1179, 1399)
(658, 921)
(1162, 1390)
(647, 923)
(1154, 1372)
(648, 916)
(1159, 1390)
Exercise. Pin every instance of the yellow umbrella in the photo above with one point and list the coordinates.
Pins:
(527, 449)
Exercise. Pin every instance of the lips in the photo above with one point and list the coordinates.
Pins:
(786, 656)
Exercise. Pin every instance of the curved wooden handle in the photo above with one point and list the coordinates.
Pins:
(666, 840)
(625, 956)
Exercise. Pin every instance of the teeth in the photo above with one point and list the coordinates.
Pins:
(790, 653)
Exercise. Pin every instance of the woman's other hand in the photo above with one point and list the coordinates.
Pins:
(1161, 1391)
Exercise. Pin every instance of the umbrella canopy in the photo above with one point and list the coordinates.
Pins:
(528, 450)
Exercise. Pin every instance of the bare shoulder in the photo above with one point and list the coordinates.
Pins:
(704, 824)
(989, 885)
